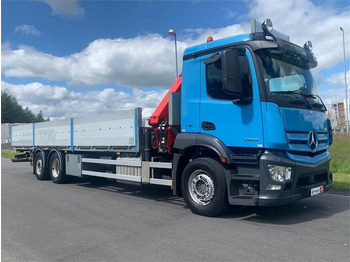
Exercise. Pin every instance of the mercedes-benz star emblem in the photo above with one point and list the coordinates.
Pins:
(312, 140)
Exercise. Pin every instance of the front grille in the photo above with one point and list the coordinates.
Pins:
(298, 143)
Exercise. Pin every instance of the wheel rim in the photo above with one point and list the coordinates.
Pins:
(55, 166)
(201, 187)
(39, 166)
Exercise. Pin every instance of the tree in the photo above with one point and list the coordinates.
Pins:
(13, 112)
(10, 109)
(39, 117)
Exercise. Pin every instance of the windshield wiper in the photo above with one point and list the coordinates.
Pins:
(296, 92)
(317, 104)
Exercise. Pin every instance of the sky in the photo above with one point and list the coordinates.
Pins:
(73, 58)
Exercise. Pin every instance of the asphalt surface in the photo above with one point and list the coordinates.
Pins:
(101, 220)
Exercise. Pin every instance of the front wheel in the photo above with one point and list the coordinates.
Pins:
(57, 170)
(204, 187)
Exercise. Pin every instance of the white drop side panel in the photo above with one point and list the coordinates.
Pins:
(106, 130)
(53, 133)
(22, 136)
(109, 131)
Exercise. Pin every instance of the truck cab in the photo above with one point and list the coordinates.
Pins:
(251, 101)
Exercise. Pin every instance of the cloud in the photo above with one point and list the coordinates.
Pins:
(199, 35)
(333, 90)
(332, 95)
(143, 61)
(339, 79)
(28, 62)
(65, 8)
(58, 102)
(27, 30)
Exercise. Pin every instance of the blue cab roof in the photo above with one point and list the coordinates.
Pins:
(217, 43)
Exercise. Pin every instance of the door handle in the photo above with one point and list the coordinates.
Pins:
(208, 125)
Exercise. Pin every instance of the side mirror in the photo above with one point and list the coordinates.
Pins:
(231, 73)
(232, 77)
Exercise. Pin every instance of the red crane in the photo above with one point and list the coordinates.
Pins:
(160, 118)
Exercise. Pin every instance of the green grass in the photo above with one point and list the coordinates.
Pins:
(341, 181)
(340, 164)
(8, 153)
(340, 152)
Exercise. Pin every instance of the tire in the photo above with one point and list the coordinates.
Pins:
(57, 169)
(203, 186)
(39, 169)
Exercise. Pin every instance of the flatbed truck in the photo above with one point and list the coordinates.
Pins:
(242, 125)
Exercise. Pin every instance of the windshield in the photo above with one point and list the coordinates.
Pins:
(288, 80)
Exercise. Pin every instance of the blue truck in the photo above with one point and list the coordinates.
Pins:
(242, 125)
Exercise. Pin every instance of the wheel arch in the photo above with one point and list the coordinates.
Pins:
(191, 146)
(55, 150)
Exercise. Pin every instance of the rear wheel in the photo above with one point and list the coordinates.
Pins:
(204, 187)
(57, 170)
(40, 171)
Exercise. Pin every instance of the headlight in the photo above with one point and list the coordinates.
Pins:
(280, 173)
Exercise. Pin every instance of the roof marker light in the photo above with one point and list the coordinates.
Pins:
(209, 39)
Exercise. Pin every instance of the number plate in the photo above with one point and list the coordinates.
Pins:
(317, 190)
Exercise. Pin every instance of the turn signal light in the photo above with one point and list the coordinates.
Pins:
(223, 160)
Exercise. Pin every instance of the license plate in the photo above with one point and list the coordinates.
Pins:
(317, 190)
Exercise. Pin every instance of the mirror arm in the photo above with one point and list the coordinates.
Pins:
(243, 101)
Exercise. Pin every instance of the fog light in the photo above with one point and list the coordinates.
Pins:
(280, 173)
(273, 187)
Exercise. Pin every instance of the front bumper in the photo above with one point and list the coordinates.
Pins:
(247, 185)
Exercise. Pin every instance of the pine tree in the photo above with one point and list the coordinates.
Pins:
(13, 112)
